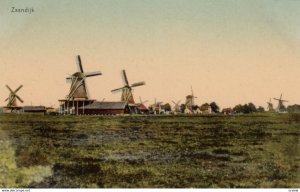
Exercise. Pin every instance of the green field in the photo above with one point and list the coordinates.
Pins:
(261, 150)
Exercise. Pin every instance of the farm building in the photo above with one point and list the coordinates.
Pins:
(104, 108)
(227, 111)
(74, 106)
(142, 108)
(34, 109)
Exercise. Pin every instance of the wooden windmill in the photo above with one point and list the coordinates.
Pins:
(177, 106)
(280, 107)
(78, 89)
(127, 89)
(190, 100)
(78, 95)
(156, 107)
(12, 99)
(270, 106)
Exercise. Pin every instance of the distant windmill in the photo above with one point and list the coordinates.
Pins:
(127, 89)
(270, 106)
(280, 107)
(142, 102)
(12, 98)
(177, 106)
(190, 100)
(156, 107)
(143, 109)
(78, 87)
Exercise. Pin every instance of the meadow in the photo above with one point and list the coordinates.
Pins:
(203, 151)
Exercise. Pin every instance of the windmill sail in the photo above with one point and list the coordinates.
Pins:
(13, 97)
(127, 95)
(78, 89)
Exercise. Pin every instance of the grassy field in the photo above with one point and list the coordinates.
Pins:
(261, 150)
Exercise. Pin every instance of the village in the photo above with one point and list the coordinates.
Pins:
(78, 101)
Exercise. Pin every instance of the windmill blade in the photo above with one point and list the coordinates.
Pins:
(280, 96)
(12, 100)
(85, 88)
(276, 99)
(174, 102)
(69, 79)
(79, 65)
(140, 100)
(125, 77)
(9, 88)
(284, 100)
(7, 99)
(138, 84)
(19, 99)
(119, 89)
(18, 88)
(91, 74)
(144, 101)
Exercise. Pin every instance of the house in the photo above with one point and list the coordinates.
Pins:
(227, 111)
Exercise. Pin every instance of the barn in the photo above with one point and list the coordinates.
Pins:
(104, 108)
(34, 109)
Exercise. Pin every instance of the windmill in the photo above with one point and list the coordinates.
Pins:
(156, 107)
(78, 89)
(270, 106)
(127, 96)
(177, 106)
(142, 107)
(190, 100)
(142, 102)
(13, 97)
(280, 107)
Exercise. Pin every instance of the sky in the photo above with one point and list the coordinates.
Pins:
(230, 51)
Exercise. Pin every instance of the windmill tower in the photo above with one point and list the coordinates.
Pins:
(270, 106)
(280, 107)
(127, 96)
(78, 94)
(190, 100)
(12, 99)
(177, 106)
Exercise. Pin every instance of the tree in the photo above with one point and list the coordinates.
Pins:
(195, 107)
(214, 107)
(238, 108)
(182, 108)
(251, 108)
(260, 109)
(246, 108)
(204, 107)
(293, 108)
(166, 107)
